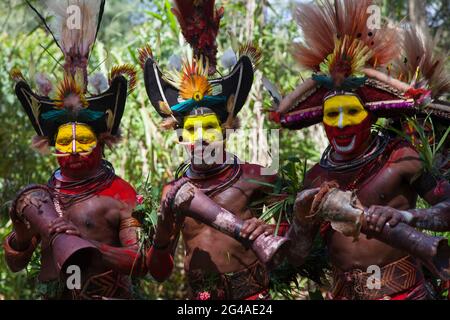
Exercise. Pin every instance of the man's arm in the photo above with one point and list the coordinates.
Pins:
(303, 229)
(17, 255)
(435, 190)
(160, 256)
(127, 259)
(436, 218)
(20, 244)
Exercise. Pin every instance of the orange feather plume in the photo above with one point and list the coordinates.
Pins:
(192, 80)
(127, 70)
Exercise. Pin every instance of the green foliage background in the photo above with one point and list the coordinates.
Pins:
(145, 150)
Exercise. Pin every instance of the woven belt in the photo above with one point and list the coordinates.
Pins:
(108, 285)
(396, 277)
(230, 286)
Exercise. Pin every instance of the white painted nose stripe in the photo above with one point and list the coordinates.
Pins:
(341, 118)
(74, 138)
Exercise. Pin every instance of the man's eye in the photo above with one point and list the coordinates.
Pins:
(190, 129)
(353, 111)
(332, 114)
(64, 142)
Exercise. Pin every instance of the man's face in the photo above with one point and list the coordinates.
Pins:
(347, 123)
(203, 135)
(77, 148)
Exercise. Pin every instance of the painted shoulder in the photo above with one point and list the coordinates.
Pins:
(257, 172)
(121, 190)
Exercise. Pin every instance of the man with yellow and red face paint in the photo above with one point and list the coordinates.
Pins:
(375, 176)
(83, 217)
(218, 262)
(346, 122)
(77, 150)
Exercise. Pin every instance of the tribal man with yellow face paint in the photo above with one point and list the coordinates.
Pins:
(218, 265)
(83, 216)
(204, 137)
(347, 123)
(77, 149)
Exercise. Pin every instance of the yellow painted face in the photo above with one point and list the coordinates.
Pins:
(206, 127)
(75, 138)
(341, 111)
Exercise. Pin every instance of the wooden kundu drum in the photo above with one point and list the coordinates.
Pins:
(347, 215)
(192, 202)
(36, 208)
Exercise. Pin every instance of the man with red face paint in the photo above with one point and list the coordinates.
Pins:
(348, 95)
(82, 217)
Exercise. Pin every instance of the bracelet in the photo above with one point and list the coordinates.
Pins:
(129, 223)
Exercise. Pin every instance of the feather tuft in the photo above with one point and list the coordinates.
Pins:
(145, 53)
(169, 123)
(74, 25)
(323, 26)
(44, 84)
(70, 95)
(253, 52)
(16, 75)
(41, 144)
(200, 22)
(127, 70)
(192, 80)
(419, 64)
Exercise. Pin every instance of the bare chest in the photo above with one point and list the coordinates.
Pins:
(97, 218)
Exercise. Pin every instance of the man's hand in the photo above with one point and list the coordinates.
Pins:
(62, 225)
(378, 216)
(23, 232)
(303, 202)
(254, 227)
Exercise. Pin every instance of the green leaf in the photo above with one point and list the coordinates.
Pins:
(171, 17)
(443, 139)
(155, 15)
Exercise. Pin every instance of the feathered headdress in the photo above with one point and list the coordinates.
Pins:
(200, 21)
(344, 54)
(177, 93)
(420, 65)
(74, 25)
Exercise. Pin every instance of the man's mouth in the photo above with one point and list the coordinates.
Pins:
(344, 143)
(344, 140)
